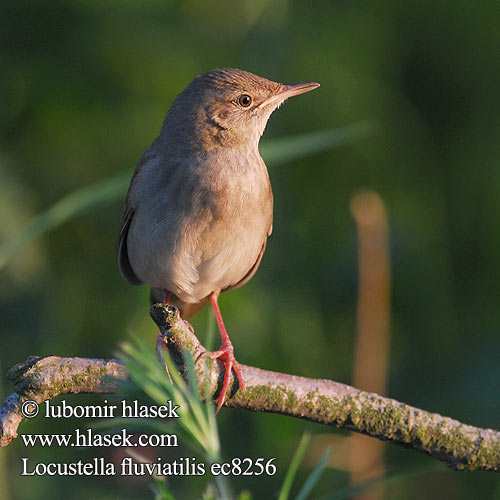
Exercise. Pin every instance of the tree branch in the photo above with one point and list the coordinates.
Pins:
(42, 378)
(459, 446)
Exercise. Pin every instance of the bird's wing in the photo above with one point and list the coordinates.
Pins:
(252, 270)
(121, 249)
(256, 265)
(128, 214)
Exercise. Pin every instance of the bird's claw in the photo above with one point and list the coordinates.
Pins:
(226, 355)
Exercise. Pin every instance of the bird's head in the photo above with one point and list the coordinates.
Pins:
(229, 106)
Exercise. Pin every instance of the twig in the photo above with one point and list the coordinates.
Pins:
(42, 378)
(459, 446)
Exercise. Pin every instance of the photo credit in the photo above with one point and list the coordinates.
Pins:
(121, 438)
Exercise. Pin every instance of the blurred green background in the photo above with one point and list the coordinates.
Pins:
(84, 87)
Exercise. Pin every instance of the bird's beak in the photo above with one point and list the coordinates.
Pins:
(286, 91)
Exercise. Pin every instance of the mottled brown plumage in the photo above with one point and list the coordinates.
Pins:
(199, 208)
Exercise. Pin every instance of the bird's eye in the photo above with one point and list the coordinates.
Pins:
(244, 100)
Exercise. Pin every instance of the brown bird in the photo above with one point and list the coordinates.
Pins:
(199, 207)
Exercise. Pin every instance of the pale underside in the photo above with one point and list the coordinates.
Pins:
(193, 230)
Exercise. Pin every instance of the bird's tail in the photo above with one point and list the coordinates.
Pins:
(158, 295)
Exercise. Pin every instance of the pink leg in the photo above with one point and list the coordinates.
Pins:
(226, 352)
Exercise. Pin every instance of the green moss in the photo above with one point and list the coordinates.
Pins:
(291, 400)
(271, 397)
(62, 382)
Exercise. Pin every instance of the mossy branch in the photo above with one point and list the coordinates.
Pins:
(42, 378)
(459, 446)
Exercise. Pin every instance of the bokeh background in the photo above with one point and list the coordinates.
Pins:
(84, 87)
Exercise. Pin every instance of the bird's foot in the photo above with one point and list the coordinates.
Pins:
(226, 354)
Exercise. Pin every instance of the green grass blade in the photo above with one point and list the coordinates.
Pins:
(355, 489)
(78, 202)
(161, 492)
(289, 148)
(245, 495)
(294, 466)
(197, 427)
(314, 476)
(149, 374)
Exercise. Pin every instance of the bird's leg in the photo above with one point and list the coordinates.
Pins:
(226, 353)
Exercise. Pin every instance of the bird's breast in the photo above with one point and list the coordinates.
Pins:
(204, 224)
(236, 222)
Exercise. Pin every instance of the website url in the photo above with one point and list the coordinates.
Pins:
(90, 439)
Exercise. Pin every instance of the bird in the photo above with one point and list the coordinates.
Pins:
(199, 208)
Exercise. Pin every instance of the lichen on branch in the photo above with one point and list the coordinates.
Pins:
(459, 446)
